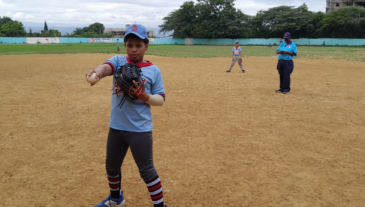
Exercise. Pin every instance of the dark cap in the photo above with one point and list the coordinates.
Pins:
(287, 35)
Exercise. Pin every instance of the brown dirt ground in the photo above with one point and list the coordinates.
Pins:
(221, 139)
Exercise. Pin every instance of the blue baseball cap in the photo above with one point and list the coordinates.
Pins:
(287, 35)
(136, 29)
(237, 41)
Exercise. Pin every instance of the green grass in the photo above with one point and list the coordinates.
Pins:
(182, 51)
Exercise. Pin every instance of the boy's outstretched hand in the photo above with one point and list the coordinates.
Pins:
(92, 77)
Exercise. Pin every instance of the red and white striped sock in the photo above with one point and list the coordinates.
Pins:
(114, 185)
(155, 188)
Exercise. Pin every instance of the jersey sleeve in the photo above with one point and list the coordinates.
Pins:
(240, 49)
(114, 62)
(157, 86)
(295, 51)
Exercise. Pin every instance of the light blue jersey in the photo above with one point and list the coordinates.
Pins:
(291, 47)
(236, 51)
(135, 116)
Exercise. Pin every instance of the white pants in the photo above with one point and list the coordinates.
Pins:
(235, 59)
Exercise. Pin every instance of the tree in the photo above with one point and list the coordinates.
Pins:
(53, 33)
(37, 34)
(276, 21)
(220, 19)
(97, 28)
(181, 21)
(347, 22)
(78, 31)
(12, 29)
(89, 34)
(93, 30)
(45, 26)
(5, 20)
(315, 27)
(85, 29)
(30, 33)
(206, 19)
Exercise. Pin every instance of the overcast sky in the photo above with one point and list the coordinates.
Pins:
(117, 13)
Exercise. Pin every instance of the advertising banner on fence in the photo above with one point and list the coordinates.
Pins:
(151, 41)
(42, 40)
(100, 40)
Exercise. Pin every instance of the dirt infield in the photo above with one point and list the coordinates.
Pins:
(221, 139)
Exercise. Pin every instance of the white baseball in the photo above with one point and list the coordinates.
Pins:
(92, 78)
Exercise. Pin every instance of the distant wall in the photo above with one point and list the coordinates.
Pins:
(100, 40)
(121, 40)
(331, 41)
(42, 40)
(197, 41)
(12, 40)
(271, 41)
(194, 41)
(74, 40)
(169, 41)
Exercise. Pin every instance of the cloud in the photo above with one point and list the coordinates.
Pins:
(18, 15)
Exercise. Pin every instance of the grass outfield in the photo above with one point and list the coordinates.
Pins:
(311, 52)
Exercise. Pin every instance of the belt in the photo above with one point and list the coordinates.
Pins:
(284, 60)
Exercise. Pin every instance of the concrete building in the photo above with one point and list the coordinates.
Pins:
(120, 32)
(333, 5)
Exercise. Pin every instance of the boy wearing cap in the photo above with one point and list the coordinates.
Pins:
(118, 48)
(131, 121)
(236, 57)
(286, 52)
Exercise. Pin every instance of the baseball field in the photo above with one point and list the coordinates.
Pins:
(221, 139)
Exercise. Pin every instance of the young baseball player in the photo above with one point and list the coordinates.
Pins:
(131, 123)
(236, 57)
(118, 48)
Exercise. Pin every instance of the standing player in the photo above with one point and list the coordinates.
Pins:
(131, 121)
(236, 57)
(286, 52)
(118, 48)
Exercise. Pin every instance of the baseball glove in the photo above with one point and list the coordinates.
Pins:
(124, 78)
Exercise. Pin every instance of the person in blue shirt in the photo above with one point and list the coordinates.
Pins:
(236, 57)
(118, 48)
(131, 120)
(286, 52)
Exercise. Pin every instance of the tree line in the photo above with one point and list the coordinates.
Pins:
(220, 19)
(13, 28)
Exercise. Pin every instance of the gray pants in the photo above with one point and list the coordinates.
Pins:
(235, 59)
(141, 148)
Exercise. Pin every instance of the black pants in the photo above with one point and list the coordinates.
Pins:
(285, 68)
(141, 148)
